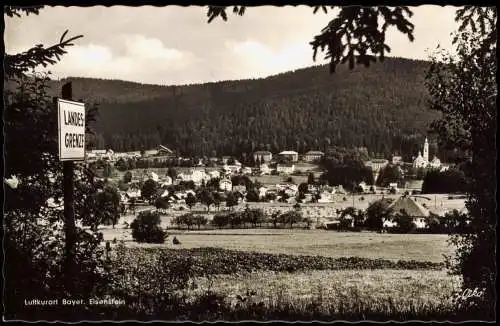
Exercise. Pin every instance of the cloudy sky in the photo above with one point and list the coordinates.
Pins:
(175, 45)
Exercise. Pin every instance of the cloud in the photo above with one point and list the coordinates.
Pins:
(144, 60)
(264, 60)
(142, 47)
(176, 45)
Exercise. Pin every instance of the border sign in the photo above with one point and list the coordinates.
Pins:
(71, 127)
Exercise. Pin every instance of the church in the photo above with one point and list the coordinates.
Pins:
(422, 160)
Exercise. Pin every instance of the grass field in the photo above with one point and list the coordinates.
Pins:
(420, 247)
(333, 288)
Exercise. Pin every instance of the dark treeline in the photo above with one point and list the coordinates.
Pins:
(381, 108)
(450, 181)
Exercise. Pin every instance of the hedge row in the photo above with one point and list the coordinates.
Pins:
(223, 261)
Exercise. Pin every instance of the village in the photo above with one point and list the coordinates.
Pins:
(287, 181)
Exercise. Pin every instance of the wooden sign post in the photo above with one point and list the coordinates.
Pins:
(71, 127)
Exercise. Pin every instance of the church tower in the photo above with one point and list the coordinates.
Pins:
(426, 150)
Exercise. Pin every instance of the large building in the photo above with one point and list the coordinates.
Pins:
(422, 160)
(313, 156)
(290, 155)
(376, 165)
(262, 156)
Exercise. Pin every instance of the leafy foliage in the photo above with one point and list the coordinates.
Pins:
(34, 234)
(389, 174)
(446, 182)
(149, 189)
(375, 213)
(17, 65)
(105, 208)
(463, 87)
(404, 222)
(146, 228)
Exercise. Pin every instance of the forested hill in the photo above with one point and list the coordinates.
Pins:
(382, 107)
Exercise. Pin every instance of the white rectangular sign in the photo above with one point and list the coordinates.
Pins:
(71, 116)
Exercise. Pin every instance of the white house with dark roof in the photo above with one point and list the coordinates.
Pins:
(290, 155)
(313, 156)
(225, 185)
(285, 168)
(264, 169)
(414, 210)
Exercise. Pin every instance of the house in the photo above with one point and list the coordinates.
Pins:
(290, 155)
(285, 168)
(339, 189)
(133, 154)
(167, 181)
(225, 185)
(312, 188)
(291, 191)
(262, 192)
(307, 198)
(229, 169)
(214, 174)
(226, 159)
(364, 186)
(97, 152)
(150, 152)
(444, 168)
(197, 176)
(160, 154)
(416, 211)
(264, 169)
(377, 164)
(262, 156)
(325, 197)
(393, 185)
(330, 225)
(414, 186)
(240, 188)
(133, 193)
(153, 176)
(163, 150)
(246, 170)
(313, 156)
(235, 168)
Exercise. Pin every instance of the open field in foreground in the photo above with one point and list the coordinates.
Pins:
(420, 247)
(370, 288)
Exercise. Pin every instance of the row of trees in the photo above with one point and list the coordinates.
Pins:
(372, 219)
(256, 218)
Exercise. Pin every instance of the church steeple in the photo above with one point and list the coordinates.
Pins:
(426, 150)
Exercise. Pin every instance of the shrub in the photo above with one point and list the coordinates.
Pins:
(146, 228)
(176, 241)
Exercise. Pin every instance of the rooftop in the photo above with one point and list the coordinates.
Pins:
(410, 206)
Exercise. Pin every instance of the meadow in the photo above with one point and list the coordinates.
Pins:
(286, 274)
(370, 288)
(221, 284)
(420, 247)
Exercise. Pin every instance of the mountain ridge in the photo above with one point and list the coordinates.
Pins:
(382, 107)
